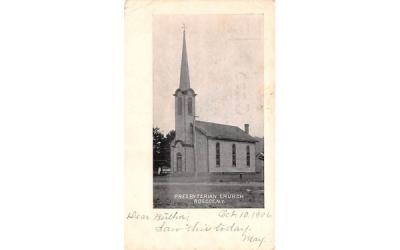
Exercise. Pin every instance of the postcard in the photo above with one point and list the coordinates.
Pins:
(200, 76)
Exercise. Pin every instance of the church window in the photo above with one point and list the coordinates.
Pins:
(234, 155)
(190, 105)
(248, 155)
(179, 105)
(179, 162)
(191, 133)
(217, 155)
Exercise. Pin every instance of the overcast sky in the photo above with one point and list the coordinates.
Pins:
(225, 55)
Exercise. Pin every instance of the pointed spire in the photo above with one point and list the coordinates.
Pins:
(184, 83)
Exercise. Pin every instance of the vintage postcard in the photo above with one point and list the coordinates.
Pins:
(200, 76)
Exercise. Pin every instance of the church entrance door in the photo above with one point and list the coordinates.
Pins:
(179, 162)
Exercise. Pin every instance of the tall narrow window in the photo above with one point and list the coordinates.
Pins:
(217, 155)
(234, 155)
(190, 109)
(178, 162)
(248, 155)
(179, 105)
(191, 132)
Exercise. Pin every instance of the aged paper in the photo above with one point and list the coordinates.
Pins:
(199, 125)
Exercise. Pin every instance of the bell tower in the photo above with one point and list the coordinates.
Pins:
(184, 102)
(182, 150)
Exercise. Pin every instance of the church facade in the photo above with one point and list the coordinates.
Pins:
(206, 147)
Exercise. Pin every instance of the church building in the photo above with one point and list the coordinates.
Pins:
(206, 147)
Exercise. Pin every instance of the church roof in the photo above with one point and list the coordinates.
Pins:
(223, 132)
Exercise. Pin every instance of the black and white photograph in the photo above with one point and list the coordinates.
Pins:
(208, 111)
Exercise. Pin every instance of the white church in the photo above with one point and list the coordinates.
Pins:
(206, 147)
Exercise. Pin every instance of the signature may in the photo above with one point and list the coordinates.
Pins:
(252, 239)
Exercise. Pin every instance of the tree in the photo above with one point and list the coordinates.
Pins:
(161, 148)
(170, 136)
(158, 139)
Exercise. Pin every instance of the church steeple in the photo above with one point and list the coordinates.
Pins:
(183, 148)
(184, 83)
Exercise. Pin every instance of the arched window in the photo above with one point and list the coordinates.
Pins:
(179, 162)
(248, 155)
(179, 105)
(190, 107)
(234, 155)
(217, 155)
(191, 133)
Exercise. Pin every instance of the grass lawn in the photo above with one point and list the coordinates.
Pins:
(212, 178)
(211, 195)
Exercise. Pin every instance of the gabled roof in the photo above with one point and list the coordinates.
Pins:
(223, 132)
